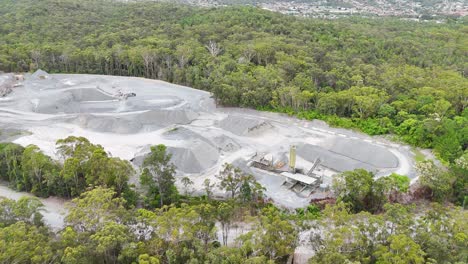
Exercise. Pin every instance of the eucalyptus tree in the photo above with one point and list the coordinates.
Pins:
(159, 173)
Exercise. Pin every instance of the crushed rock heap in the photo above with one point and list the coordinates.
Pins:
(127, 115)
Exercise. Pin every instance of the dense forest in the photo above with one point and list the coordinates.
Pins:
(377, 75)
(380, 76)
(110, 221)
(187, 234)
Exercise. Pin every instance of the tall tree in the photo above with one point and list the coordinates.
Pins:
(161, 170)
(274, 237)
(38, 170)
(436, 179)
(26, 209)
(94, 208)
(402, 249)
(353, 187)
(230, 179)
(23, 243)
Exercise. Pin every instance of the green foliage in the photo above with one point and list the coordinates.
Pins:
(10, 164)
(83, 164)
(158, 175)
(460, 186)
(394, 185)
(442, 234)
(396, 236)
(88, 164)
(354, 187)
(311, 212)
(225, 214)
(100, 229)
(239, 185)
(274, 237)
(208, 187)
(94, 208)
(187, 184)
(362, 192)
(402, 249)
(26, 209)
(38, 170)
(231, 179)
(24, 243)
(379, 76)
(436, 179)
(111, 238)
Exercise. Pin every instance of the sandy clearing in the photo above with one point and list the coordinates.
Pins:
(54, 211)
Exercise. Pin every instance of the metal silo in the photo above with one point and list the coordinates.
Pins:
(292, 159)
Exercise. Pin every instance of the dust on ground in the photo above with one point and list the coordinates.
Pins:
(127, 115)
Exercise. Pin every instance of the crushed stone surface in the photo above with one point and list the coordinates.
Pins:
(200, 136)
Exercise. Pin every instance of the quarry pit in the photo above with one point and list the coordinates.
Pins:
(126, 115)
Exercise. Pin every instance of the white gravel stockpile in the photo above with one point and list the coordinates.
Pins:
(128, 115)
(242, 126)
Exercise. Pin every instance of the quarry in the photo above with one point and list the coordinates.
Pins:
(295, 160)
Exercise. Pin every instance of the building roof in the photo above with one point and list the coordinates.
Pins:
(300, 178)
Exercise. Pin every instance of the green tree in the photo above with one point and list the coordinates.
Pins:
(94, 208)
(76, 147)
(226, 255)
(460, 186)
(26, 209)
(225, 214)
(39, 171)
(232, 179)
(110, 240)
(394, 185)
(161, 172)
(353, 187)
(187, 183)
(367, 100)
(436, 179)
(274, 237)
(147, 259)
(401, 250)
(73, 177)
(441, 232)
(10, 164)
(251, 191)
(24, 243)
(399, 218)
(76, 153)
(208, 187)
(448, 146)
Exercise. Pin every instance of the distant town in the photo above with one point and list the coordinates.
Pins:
(422, 9)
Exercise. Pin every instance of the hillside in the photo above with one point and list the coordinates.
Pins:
(379, 76)
(253, 137)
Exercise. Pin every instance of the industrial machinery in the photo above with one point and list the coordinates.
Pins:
(296, 179)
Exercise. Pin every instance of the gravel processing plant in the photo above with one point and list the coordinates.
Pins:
(127, 115)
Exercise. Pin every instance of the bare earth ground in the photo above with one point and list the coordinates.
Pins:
(200, 136)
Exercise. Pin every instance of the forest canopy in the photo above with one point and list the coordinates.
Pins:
(380, 76)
